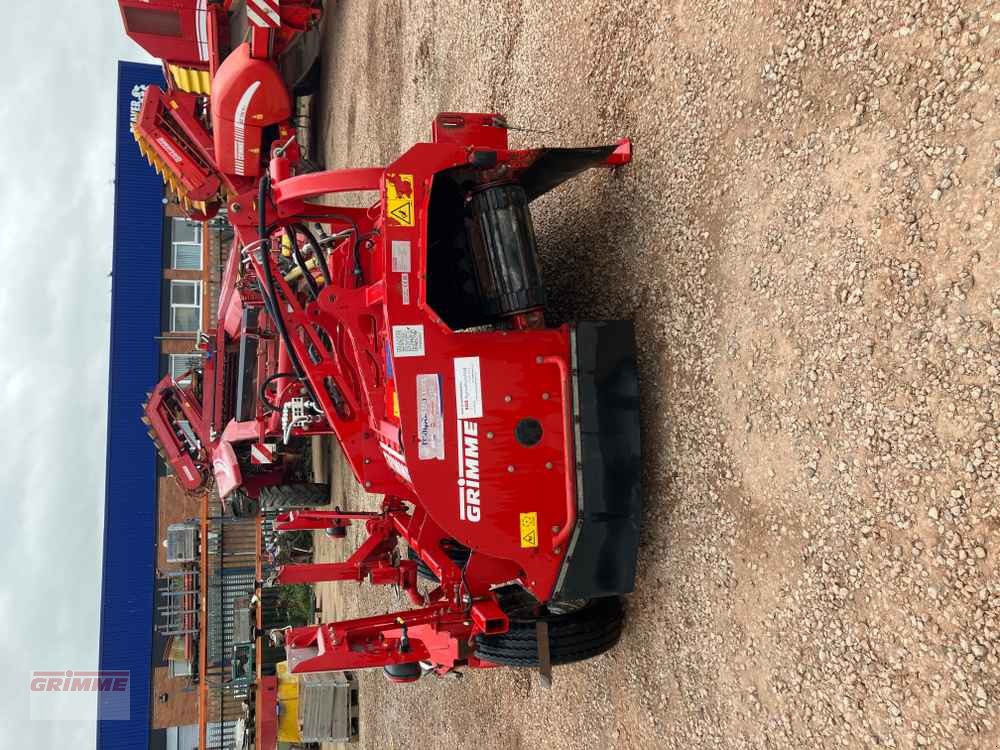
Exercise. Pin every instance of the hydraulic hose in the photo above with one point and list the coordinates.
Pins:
(344, 219)
(317, 249)
(293, 240)
(263, 388)
(270, 294)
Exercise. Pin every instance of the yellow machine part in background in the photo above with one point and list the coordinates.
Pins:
(288, 704)
(192, 80)
(166, 173)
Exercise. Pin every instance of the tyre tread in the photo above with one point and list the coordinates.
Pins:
(573, 637)
(294, 495)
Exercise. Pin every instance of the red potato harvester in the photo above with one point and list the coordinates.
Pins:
(508, 452)
(413, 330)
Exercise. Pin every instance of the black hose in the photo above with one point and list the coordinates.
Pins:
(270, 294)
(301, 263)
(318, 253)
(344, 219)
(267, 382)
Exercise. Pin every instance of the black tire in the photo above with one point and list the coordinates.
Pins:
(403, 673)
(458, 553)
(298, 495)
(242, 505)
(309, 83)
(573, 635)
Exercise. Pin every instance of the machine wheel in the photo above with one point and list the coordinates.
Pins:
(457, 553)
(401, 673)
(577, 631)
(309, 83)
(297, 495)
(242, 505)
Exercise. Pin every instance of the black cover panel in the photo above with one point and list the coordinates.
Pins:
(556, 165)
(603, 560)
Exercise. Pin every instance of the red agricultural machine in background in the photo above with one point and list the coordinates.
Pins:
(232, 69)
(193, 37)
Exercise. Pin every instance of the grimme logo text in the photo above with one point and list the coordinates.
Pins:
(468, 471)
(79, 682)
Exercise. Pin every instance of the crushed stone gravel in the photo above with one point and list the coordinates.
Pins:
(807, 241)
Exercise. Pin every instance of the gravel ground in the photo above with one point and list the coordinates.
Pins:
(807, 243)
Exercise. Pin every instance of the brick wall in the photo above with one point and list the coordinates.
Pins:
(172, 273)
(178, 344)
(173, 504)
(173, 208)
(181, 706)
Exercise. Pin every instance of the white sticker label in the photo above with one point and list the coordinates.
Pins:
(430, 419)
(404, 282)
(408, 341)
(401, 256)
(468, 388)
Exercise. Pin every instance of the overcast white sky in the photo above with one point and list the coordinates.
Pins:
(57, 117)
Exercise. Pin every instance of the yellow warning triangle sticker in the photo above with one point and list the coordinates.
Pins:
(403, 213)
(399, 198)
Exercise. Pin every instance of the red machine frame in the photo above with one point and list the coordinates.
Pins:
(439, 631)
(481, 426)
(366, 342)
(373, 440)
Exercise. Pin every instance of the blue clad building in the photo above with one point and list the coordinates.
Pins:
(126, 640)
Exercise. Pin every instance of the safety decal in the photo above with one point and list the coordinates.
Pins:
(399, 198)
(401, 256)
(430, 418)
(262, 453)
(264, 14)
(408, 341)
(468, 388)
(529, 530)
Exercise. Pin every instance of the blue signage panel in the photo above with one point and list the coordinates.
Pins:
(130, 491)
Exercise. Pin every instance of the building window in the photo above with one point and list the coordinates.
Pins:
(183, 363)
(180, 669)
(185, 239)
(153, 21)
(185, 306)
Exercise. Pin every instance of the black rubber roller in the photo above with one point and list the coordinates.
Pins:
(504, 252)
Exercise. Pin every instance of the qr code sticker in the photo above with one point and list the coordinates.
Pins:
(408, 341)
